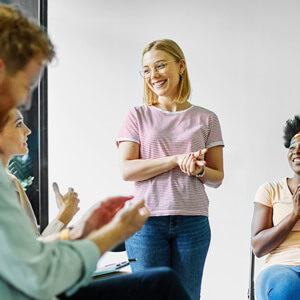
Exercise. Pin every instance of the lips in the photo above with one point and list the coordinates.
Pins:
(159, 84)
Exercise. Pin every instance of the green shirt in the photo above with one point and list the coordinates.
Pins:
(30, 269)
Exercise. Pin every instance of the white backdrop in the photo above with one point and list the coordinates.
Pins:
(243, 59)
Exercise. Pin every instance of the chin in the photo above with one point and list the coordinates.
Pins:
(23, 152)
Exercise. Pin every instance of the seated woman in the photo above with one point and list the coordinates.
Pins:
(13, 137)
(276, 227)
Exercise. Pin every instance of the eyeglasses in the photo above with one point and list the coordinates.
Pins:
(159, 67)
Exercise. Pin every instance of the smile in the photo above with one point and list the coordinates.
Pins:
(159, 84)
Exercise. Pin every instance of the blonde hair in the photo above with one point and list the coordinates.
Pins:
(184, 89)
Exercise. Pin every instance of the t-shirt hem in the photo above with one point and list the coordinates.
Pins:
(119, 140)
(178, 213)
(215, 144)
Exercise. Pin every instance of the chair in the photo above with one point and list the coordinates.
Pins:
(251, 293)
(119, 248)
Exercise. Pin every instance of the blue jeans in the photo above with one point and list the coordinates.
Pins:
(179, 242)
(151, 284)
(278, 282)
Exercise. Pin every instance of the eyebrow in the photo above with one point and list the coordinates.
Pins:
(18, 119)
(160, 60)
(294, 143)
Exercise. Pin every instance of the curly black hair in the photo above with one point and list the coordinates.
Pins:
(291, 128)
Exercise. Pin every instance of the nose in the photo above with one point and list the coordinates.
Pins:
(153, 73)
(27, 131)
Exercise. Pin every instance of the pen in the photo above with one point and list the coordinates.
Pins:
(132, 259)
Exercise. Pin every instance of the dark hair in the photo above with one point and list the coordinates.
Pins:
(292, 127)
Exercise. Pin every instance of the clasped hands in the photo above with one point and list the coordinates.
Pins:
(296, 201)
(192, 163)
(111, 209)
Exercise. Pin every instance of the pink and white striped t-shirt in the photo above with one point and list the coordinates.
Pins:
(162, 133)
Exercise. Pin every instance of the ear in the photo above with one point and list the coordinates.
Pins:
(2, 70)
(182, 66)
(2, 64)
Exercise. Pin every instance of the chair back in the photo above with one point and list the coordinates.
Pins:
(251, 293)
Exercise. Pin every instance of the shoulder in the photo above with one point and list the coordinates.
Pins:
(269, 191)
(202, 110)
(138, 110)
(274, 185)
(13, 178)
(206, 115)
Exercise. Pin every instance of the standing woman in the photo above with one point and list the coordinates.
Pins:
(171, 149)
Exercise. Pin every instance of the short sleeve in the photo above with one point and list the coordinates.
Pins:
(215, 135)
(129, 131)
(264, 195)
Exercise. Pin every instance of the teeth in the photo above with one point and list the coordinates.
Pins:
(158, 84)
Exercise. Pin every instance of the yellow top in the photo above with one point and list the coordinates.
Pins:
(278, 196)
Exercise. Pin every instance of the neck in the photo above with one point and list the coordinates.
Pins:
(171, 105)
(5, 160)
(296, 179)
(294, 182)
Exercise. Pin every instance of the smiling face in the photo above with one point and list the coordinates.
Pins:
(294, 154)
(163, 82)
(13, 136)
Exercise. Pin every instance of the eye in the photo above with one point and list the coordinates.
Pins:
(19, 124)
(146, 71)
(161, 66)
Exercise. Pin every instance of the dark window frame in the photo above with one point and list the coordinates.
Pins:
(36, 164)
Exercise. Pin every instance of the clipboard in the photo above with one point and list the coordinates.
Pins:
(110, 268)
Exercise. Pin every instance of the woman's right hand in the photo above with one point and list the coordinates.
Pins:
(191, 163)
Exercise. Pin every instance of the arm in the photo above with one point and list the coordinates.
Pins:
(265, 237)
(214, 172)
(53, 267)
(135, 169)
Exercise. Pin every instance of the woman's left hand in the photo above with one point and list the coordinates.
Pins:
(193, 163)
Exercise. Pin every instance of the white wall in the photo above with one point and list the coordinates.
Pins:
(243, 59)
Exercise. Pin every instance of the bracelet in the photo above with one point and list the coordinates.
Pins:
(201, 174)
(65, 234)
